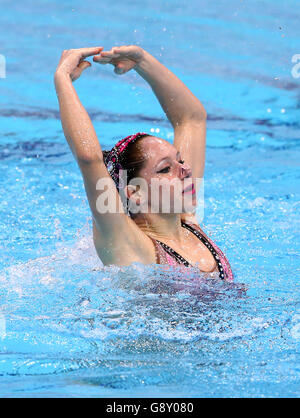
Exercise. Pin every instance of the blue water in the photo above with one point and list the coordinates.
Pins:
(68, 326)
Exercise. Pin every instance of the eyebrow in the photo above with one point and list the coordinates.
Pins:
(165, 158)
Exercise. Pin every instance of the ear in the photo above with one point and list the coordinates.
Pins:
(131, 191)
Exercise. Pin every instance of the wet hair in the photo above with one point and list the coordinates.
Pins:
(132, 159)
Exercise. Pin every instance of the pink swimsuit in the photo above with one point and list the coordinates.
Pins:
(166, 255)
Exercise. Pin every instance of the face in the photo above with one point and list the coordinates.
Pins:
(167, 185)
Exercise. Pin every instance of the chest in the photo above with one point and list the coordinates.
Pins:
(195, 252)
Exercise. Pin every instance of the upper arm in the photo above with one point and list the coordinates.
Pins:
(190, 140)
(104, 200)
(115, 233)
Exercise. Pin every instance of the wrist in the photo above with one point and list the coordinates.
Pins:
(143, 63)
(149, 68)
(61, 77)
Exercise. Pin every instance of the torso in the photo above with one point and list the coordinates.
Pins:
(199, 251)
(194, 252)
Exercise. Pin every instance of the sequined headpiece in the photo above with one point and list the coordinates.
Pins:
(112, 159)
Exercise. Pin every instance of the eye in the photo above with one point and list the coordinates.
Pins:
(181, 161)
(165, 170)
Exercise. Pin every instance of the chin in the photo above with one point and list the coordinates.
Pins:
(189, 205)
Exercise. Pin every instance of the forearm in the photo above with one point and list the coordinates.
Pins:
(77, 125)
(178, 102)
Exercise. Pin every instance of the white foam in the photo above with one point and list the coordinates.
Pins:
(45, 270)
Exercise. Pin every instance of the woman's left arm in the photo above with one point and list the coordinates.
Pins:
(185, 112)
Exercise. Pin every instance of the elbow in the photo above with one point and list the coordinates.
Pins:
(196, 114)
(199, 115)
(204, 115)
(196, 117)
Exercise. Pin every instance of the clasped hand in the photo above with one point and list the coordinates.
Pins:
(73, 61)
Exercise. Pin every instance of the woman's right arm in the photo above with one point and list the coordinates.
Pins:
(113, 224)
(77, 126)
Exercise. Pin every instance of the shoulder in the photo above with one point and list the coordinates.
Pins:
(125, 246)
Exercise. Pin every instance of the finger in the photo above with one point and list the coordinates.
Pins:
(119, 50)
(124, 49)
(101, 59)
(84, 64)
(122, 68)
(80, 68)
(119, 69)
(76, 74)
(88, 52)
(109, 54)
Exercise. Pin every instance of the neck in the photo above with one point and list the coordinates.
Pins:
(162, 226)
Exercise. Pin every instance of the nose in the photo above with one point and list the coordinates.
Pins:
(185, 171)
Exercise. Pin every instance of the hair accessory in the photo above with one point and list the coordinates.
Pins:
(112, 160)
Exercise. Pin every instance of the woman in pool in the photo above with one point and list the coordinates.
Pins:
(149, 234)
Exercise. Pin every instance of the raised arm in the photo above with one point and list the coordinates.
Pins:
(77, 126)
(113, 228)
(184, 111)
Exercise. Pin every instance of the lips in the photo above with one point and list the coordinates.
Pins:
(190, 189)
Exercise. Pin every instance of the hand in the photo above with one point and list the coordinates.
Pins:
(72, 61)
(124, 58)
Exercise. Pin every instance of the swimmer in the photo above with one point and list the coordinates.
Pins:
(146, 232)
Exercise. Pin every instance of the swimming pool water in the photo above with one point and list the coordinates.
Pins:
(68, 326)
